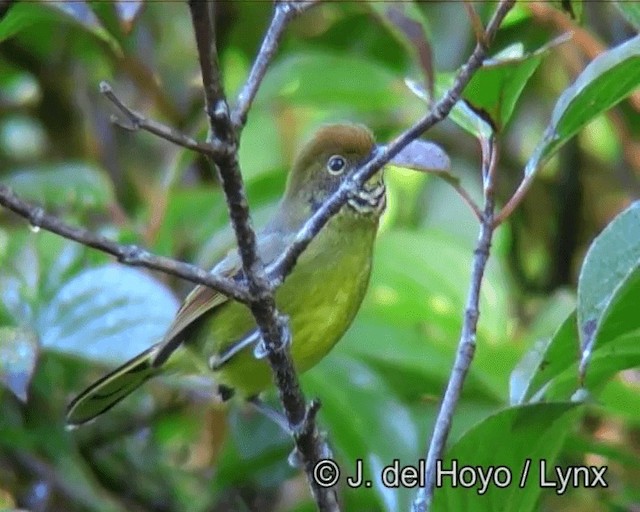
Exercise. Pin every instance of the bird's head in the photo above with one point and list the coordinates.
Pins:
(326, 161)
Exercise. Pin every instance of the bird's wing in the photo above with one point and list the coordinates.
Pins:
(203, 299)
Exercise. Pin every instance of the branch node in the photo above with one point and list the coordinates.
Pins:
(131, 254)
(305, 426)
(36, 216)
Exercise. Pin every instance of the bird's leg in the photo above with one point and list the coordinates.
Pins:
(260, 350)
(269, 412)
(294, 459)
(216, 361)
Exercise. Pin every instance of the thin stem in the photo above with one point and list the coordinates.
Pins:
(467, 343)
(128, 254)
(283, 14)
(140, 122)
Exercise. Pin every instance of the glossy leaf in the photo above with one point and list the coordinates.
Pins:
(67, 185)
(508, 439)
(544, 361)
(607, 80)
(107, 314)
(609, 283)
(18, 355)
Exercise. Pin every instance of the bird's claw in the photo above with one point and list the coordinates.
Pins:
(260, 350)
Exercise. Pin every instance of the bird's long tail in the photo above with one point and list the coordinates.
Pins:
(109, 390)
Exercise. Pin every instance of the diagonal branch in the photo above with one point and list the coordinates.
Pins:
(283, 265)
(140, 122)
(284, 13)
(273, 326)
(127, 254)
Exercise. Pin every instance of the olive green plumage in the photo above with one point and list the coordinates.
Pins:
(321, 296)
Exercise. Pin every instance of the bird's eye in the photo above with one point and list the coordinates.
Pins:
(336, 164)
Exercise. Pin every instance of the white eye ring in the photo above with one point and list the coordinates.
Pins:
(336, 164)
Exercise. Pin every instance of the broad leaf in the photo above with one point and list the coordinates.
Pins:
(462, 113)
(107, 314)
(545, 361)
(609, 283)
(518, 440)
(354, 82)
(607, 80)
(63, 185)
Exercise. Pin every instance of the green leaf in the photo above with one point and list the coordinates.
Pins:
(356, 83)
(70, 185)
(25, 14)
(18, 355)
(512, 439)
(630, 10)
(543, 362)
(609, 283)
(80, 12)
(462, 113)
(107, 314)
(607, 80)
(374, 415)
(427, 281)
(497, 85)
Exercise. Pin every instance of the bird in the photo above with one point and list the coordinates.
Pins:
(212, 333)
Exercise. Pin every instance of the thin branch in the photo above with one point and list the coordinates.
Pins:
(140, 122)
(467, 343)
(273, 326)
(282, 266)
(127, 254)
(283, 14)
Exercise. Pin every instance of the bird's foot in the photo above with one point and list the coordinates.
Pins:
(260, 350)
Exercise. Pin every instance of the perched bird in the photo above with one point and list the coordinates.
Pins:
(321, 296)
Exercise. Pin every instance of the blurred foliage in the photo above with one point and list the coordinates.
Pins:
(552, 286)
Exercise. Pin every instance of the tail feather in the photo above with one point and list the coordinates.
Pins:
(110, 389)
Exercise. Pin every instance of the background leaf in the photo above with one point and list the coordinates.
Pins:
(70, 184)
(107, 314)
(608, 79)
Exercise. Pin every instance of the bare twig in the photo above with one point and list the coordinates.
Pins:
(283, 265)
(284, 13)
(128, 254)
(467, 343)
(140, 122)
(273, 326)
